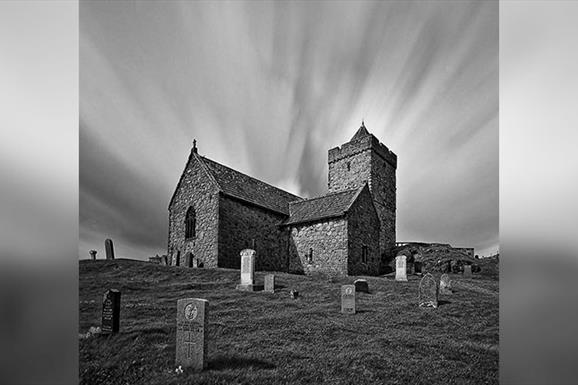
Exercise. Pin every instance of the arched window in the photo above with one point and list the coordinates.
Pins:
(190, 223)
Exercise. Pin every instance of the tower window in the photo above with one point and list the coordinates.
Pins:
(190, 223)
(348, 166)
(310, 256)
(364, 253)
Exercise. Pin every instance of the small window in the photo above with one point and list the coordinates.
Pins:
(348, 166)
(364, 252)
(310, 256)
(190, 223)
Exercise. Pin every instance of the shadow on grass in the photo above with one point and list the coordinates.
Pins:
(442, 302)
(224, 362)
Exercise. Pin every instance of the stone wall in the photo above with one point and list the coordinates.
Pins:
(198, 190)
(327, 240)
(383, 187)
(363, 230)
(239, 224)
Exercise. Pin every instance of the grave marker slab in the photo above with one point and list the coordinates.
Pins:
(110, 312)
(247, 270)
(348, 299)
(400, 268)
(269, 283)
(192, 321)
(467, 270)
(361, 286)
(428, 291)
(445, 284)
(109, 249)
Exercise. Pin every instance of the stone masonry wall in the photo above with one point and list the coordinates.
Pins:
(327, 239)
(383, 187)
(239, 224)
(363, 230)
(195, 189)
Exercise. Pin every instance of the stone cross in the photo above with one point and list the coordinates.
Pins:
(348, 299)
(361, 286)
(110, 312)
(247, 270)
(192, 321)
(269, 283)
(92, 254)
(467, 270)
(400, 268)
(109, 249)
(428, 291)
(445, 284)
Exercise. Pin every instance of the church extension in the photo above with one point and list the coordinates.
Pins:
(215, 212)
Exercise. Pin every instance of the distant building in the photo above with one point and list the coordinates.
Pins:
(216, 211)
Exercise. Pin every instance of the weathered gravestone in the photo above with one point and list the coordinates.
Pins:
(192, 321)
(109, 249)
(247, 270)
(417, 267)
(467, 270)
(400, 268)
(428, 291)
(361, 286)
(196, 262)
(269, 283)
(348, 299)
(189, 259)
(110, 312)
(294, 294)
(92, 254)
(164, 260)
(445, 284)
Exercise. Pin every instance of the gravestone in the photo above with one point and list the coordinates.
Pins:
(110, 312)
(196, 262)
(400, 268)
(109, 249)
(445, 284)
(164, 260)
(189, 259)
(361, 286)
(269, 283)
(92, 254)
(192, 321)
(417, 267)
(348, 299)
(247, 270)
(294, 294)
(428, 291)
(467, 270)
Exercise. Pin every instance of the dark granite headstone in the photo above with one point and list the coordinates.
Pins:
(192, 321)
(361, 286)
(92, 254)
(109, 249)
(111, 312)
(428, 291)
(269, 283)
(348, 299)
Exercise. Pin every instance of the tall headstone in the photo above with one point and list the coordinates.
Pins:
(92, 254)
(428, 291)
(269, 283)
(348, 299)
(110, 312)
(445, 284)
(247, 270)
(189, 259)
(417, 267)
(361, 286)
(400, 268)
(192, 321)
(109, 249)
(467, 270)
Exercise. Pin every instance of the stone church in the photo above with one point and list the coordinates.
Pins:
(216, 211)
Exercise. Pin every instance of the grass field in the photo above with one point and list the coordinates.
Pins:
(263, 338)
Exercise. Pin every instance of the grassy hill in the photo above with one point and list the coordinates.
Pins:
(263, 338)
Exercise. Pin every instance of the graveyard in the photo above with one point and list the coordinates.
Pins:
(264, 337)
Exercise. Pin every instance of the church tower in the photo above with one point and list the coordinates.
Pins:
(365, 159)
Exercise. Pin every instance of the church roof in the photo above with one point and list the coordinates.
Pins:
(327, 206)
(361, 133)
(241, 186)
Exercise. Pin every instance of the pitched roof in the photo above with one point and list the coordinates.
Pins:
(327, 206)
(238, 185)
(361, 133)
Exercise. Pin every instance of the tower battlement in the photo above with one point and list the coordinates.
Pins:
(363, 144)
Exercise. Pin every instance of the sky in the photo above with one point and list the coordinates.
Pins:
(268, 88)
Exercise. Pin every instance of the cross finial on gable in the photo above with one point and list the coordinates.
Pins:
(194, 145)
